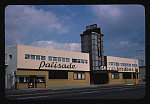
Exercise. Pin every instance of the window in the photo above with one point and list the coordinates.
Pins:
(83, 75)
(67, 59)
(114, 63)
(74, 60)
(37, 57)
(82, 61)
(134, 65)
(63, 59)
(58, 74)
(59, 59)
(54, 58)
(50, 58)
(40, 79)
(32, 56)
(129, 65)
(86, 61)
(78, 60)
(75, 75)
(126, 75)
(23, 79)
(43, 57)
(115, 75)
(27, 56)
(79, 75)
(117, 64)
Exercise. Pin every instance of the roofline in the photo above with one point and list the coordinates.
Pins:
(46, 48)
(122, 57)
(11, 46)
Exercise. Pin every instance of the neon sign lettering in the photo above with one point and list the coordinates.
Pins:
(56, 65)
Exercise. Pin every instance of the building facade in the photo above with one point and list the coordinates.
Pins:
(122, 70)
(92, 43)
(34, 67)
(102, 71)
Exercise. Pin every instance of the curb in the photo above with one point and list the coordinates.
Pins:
(49, 90)
(116, 85)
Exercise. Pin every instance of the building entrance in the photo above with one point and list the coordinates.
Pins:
(99, 78)
(31, 82)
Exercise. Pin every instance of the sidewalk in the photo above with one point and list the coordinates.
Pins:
(67, 88)
(78, 87)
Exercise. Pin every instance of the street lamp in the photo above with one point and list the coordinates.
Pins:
(136, 70)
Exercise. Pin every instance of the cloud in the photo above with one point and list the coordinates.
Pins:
(20, 20)
(75, 47)
(107, 11)
(123, 27)
(121, 21)
(124, 43)
(127, 44)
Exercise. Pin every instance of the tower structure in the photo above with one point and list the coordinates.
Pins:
(92, 43)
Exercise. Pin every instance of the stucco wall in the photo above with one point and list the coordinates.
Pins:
(121, 60)
(34, 64)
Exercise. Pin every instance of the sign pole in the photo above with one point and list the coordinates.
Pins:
(136, 79)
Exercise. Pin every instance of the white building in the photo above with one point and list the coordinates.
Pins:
(35, 67)
(122, 70)
(25, 65)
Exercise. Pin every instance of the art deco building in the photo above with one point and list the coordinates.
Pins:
(35, 67)
(92, 43)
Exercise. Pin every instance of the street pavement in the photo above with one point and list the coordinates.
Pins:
(106, 91)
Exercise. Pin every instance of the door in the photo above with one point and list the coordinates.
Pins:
(31, 82)
(100, 78)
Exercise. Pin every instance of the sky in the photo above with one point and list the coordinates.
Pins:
(59, 27)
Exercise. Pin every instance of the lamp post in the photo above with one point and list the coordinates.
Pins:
(136, 70)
